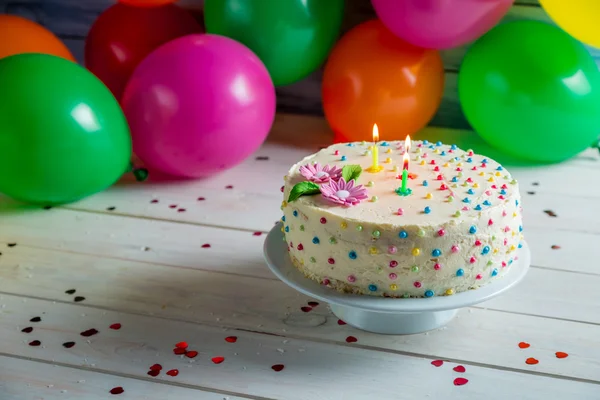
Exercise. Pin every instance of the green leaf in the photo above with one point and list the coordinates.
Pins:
(350, 172)
(303, 189)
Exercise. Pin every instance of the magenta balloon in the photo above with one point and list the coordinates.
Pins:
(440, 24)
(198, 105)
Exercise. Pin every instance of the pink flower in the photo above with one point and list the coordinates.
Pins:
(343, 193)
(320, 174)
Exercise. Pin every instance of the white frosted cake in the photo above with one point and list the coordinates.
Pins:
(458, 229)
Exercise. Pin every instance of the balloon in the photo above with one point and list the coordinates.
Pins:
(531, 90)
(63, 135)
(579, 18)
(373, 76)
(147, 3)
(292, 37)
(439, 24)
(123, 36)
(198, 105)
(20, 35)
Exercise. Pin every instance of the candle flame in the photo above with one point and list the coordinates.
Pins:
(405, 159)
(375, 133)
(407, 144)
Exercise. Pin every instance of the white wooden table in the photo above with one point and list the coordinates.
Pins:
(183, 261)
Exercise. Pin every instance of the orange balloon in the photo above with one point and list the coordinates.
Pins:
(20, 35)
(146, 3)
(372, 77)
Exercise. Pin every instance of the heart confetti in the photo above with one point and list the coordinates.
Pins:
(257, 234)
(78, 299)
(206, 246)
(277, 367)
(154, 373)
(218, 360)
(29, 329)
(437, 363)
(173, 372)
(459, 368)
(35, 319)
(191, 354)
(182, 345)
(351, 339)
(460, 381)
(156, 367)
(35, 343)
(340, 322)
(115, 327)
(531, 361)
(313, 303)
(523, 345)
(231, 339)
(89, 332)
(306, 309)
(70, 291)
(117, 390)
(68, 345)
(179, 351)
(561, 354)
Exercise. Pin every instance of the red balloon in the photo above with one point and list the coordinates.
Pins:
(123, 36)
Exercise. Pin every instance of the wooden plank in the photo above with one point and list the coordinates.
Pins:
(487, 335)
(143, 341)
(25, 379)
(178, 244)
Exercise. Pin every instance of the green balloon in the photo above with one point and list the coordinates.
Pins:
(63, 135)
(291, 37)
(532, 91)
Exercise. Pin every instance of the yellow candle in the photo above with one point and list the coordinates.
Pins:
(375, 167)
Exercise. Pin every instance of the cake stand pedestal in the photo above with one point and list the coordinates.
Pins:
(387, 315)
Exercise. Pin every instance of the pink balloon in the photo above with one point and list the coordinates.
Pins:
(198, 105)
(440, 24)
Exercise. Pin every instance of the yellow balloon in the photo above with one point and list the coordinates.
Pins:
(579, 18)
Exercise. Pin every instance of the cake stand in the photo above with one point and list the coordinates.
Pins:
(387, 315)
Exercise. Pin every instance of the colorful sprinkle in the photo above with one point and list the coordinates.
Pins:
(436, 253)
(449, 292)
(343, 158)
(403, 234)
(332, 240)
(460, 272)
(472, 229)
(392, 249)
(343, 225)
(425, 183)
(495, 272)
(466, 200)
(352, 254)
(441, 232)
(374, 199)
(472, 260)
(478, 277)
(400, 211)
(300, 247)
(372, 288)
(323, 220)
(429, 293)
(393, 286)
(427, 210)
(316, 240)
(420, 233)
(416, 251)
(485, 250)
(331, 260)
(417, 284)
(455, 248)
(376, 234)
(313, 260)
(370, 184)
(414, 268)
(393, 264)
(359, 228)
(437, 266)
(373, 250)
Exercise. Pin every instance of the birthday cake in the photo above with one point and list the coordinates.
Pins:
(351, 224)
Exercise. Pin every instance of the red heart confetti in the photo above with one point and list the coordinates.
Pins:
(262, 158)
(201, 198)
(561, 354)
(313, 303)
(257, 234)
(11, 244)
(459, 368)
(437, 363)
(179, 351)
(78, 299)
(306, 309)
(555, 247)
(182, 345)
(35, 319)
(191, 354)
(277, 367)
(35, 343)
(229, 187)
(218, 360)
(70, 291)
(68, 345)
(89, 332)
(116, 326)
(181, 210)
(531, 361)
(173, 372)
(173, 206)
(206, 246)
(117, 390)
(340, 322)
(29, 329)
(523, 345)
(460, 381)
(156, 367)
(231, 339)
(154, 373)
(351, 339)
(154, 201)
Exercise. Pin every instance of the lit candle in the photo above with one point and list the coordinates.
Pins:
(404, 190)
(375, 167)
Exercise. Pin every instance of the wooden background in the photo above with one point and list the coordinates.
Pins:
(71, 20)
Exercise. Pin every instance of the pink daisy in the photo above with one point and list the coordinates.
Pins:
(320, 174)
(343, 193)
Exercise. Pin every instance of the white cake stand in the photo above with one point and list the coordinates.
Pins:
(387, 315)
